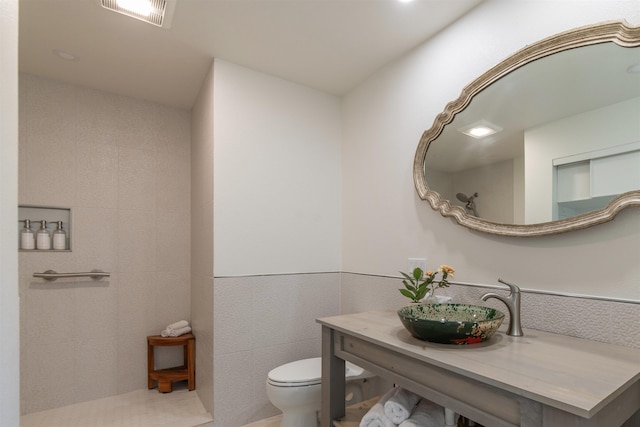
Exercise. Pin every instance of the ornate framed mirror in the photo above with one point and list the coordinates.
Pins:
(558, 147)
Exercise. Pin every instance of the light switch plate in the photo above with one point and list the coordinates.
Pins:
(414, 263)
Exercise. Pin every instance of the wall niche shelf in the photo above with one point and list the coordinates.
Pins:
(52, 215)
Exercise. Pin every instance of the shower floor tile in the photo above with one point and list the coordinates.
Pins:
(141, 408)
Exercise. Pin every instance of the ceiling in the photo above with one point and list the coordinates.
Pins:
(329, 45)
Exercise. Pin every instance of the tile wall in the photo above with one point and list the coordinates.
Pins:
(260, 323)
(123, 167)
(605, 321)
(278, 326)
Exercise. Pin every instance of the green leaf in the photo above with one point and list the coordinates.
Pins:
(406, 293)
(409, 286)
(406, 276)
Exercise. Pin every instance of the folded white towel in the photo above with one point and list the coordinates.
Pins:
(426, 414)
(376, 417)
(177, 325)
(400, 406)
(175, 332)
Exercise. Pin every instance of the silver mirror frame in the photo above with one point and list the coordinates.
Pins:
(619, 32)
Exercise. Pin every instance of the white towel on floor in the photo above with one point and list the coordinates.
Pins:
(175, 332)
(376, 417)
(426, 414)
(400, 406)
(177, 325)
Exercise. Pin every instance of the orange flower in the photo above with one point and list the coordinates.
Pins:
(447, 269)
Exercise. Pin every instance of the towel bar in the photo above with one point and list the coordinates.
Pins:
(52, 275)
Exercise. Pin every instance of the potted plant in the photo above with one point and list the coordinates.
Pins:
(422, 284)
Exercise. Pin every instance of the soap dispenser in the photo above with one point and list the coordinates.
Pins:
(43, 238)
(27, 236)
(59, 238)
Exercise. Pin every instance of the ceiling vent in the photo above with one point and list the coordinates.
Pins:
(156, 12)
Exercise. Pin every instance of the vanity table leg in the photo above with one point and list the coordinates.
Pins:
(333, 381)
(530, 413)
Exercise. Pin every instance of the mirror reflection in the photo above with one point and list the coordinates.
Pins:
(556, 138)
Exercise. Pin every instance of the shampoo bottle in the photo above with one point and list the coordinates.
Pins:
(43, 238)
(59, 238)
(27, 236)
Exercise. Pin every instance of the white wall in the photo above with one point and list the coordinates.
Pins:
(385, 222)
(276, 175)
(9, 300)
(613, 125)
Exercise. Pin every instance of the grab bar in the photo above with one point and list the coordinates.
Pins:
(52, 275)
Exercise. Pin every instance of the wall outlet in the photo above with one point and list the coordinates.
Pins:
(414, 263)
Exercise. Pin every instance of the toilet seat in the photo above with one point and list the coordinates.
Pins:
(299, 373)
(307, 372)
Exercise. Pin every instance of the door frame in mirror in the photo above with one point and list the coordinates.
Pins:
(619, 32)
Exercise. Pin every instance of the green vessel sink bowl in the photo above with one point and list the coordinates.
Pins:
(451, 323)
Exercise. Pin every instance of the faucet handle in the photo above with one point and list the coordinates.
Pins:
(515, 289)
(515, 326)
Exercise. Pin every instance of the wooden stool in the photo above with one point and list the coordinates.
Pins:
(164, 377)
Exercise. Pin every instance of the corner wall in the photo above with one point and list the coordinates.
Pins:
(276, 175)
(202, 239)
(277, 232)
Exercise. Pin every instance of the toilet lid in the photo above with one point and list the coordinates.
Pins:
(299, 372)
(307, 371)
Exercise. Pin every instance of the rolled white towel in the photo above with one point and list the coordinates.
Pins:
(375, 417)
(177, 325)
(437, 299)
(175, 332)
(426, 414)
(400, 406)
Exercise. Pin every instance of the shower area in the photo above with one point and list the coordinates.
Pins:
(121, 167)
(469, 203)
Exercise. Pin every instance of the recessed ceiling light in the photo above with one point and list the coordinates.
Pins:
(63, 54)
(141, 7)
(480, 129)
(405, 1)
(156, 12)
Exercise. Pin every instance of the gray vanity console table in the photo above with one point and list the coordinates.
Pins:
(540, 379)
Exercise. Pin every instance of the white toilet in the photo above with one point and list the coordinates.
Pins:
(294, 388)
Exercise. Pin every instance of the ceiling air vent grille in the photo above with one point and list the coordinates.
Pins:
(151, 11)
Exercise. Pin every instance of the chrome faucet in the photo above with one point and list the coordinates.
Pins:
(512, 301)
